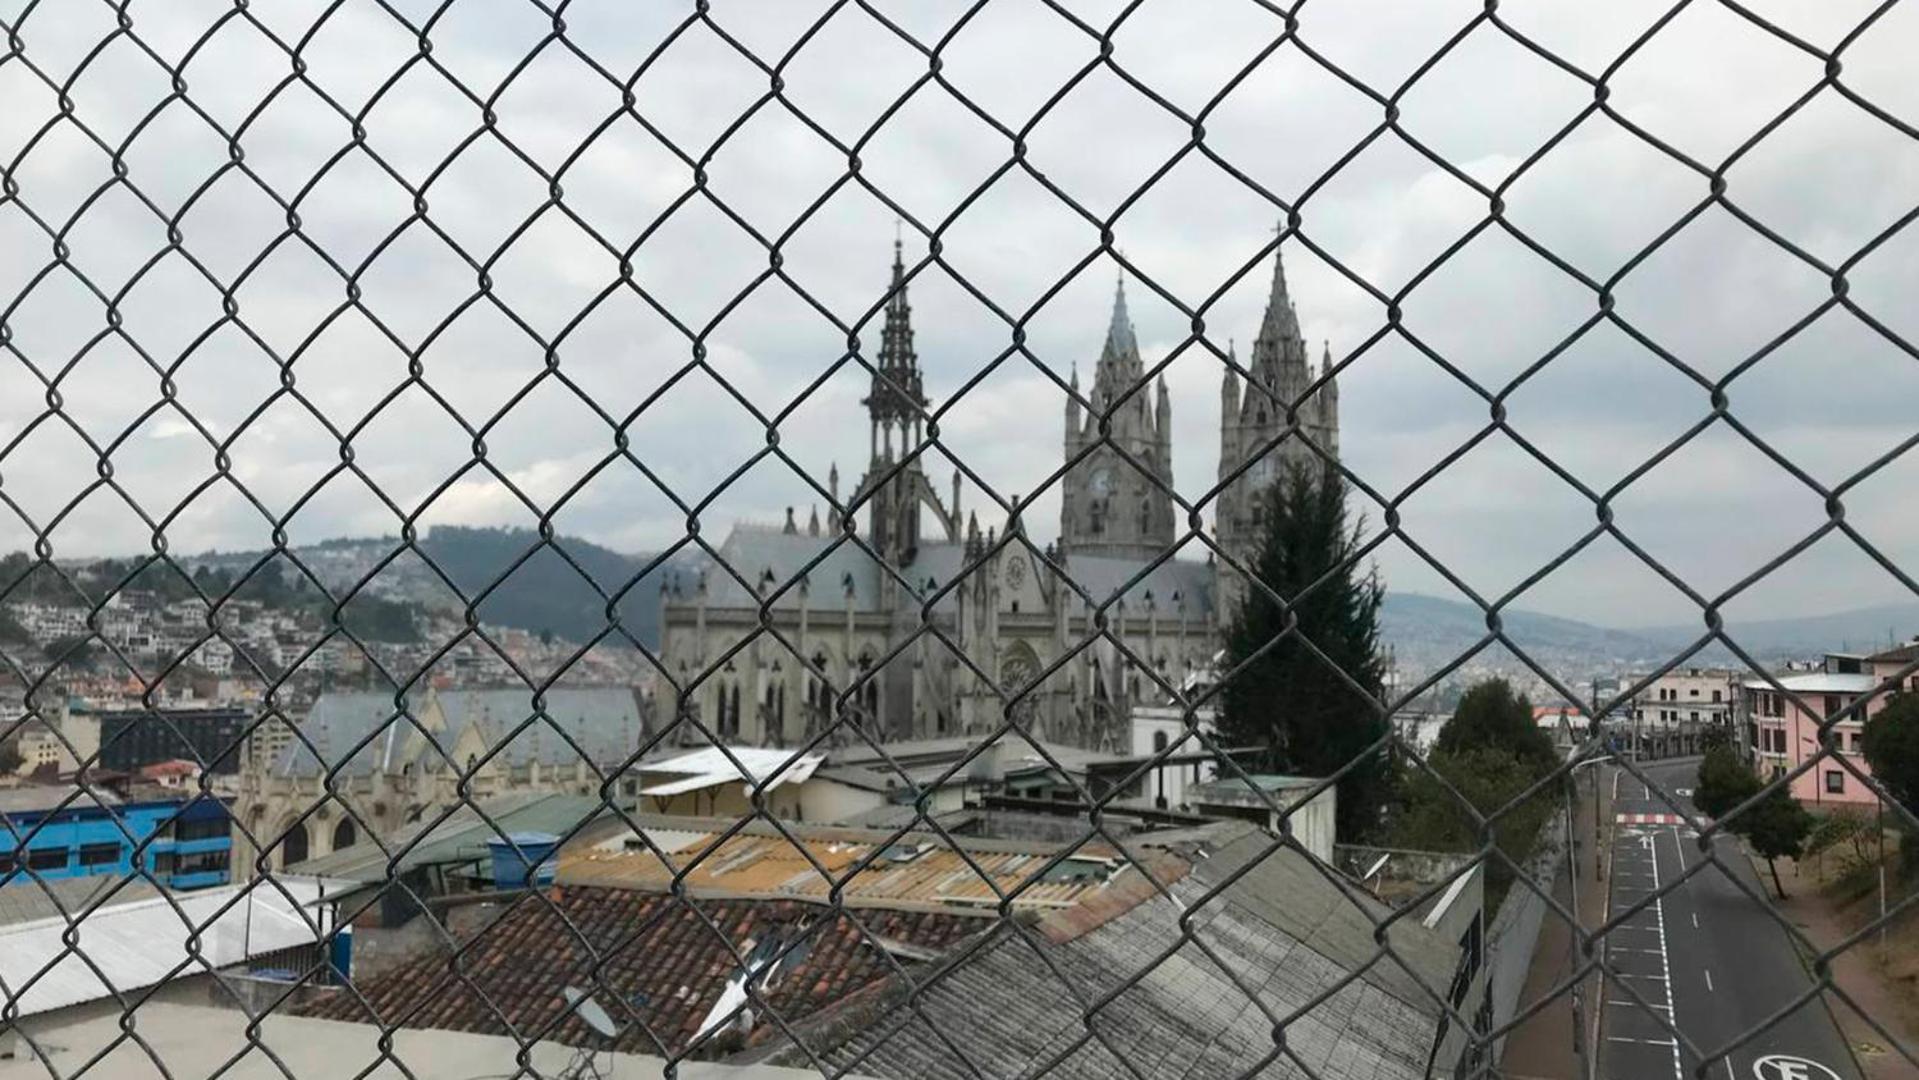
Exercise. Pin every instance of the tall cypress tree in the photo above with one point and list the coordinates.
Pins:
(1288, 702)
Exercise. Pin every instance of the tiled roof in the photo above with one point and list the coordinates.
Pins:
(661, 967)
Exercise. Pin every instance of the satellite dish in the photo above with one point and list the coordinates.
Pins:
(591, 1012)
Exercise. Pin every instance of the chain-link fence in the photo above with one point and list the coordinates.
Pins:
(886, 791)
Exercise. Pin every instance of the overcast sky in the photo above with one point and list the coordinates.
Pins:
(1834, 398)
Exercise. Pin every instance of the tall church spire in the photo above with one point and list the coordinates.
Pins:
(1114, 500)
(896, 406)
(1121, 343)
(897, 360)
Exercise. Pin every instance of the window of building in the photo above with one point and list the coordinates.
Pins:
(1159, 742)
(1835, 781)
(208, 829)
(200, 862)
(103, 854)
(1695, 714)
(1832, 704)
(51, 858)
(1693, 692)
(1715, 695)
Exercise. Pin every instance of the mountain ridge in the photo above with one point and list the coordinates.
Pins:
(1426, 632)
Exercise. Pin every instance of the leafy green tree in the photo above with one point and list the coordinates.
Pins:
(1852, 832)
(1776, 827)
(1302, 713)
(1724, 781)
(10, 759)
(1431, 818)
(1492, 716)
(1892, 749)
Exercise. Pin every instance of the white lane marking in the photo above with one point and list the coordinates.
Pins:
(1659, 906)
(1709, 988)
(1637, 1005)
(1644, 1042)
(1695, 920)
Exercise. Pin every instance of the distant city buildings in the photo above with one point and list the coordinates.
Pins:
(1675, 712)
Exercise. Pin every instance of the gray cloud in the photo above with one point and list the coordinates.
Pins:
(1834, 398)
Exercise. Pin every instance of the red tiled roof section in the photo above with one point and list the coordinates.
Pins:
(662, 963)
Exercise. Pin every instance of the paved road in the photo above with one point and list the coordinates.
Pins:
(1708, 958)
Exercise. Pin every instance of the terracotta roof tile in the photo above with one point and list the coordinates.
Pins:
(660, 966)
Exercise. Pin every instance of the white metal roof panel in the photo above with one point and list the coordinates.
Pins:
(710, 768)
(144, 942)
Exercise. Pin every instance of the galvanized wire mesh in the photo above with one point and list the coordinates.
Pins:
(111, 36)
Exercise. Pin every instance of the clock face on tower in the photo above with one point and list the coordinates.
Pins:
(1102, 481)
(1015, 572)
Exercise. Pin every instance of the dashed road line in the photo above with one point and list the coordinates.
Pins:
(1665, 965)
(1709, 988)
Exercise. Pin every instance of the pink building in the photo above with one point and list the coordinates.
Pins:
(1783, 736)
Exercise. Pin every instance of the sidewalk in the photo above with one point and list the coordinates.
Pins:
(1543, 1046)
(1879, 983)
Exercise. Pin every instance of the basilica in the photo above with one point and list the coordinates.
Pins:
(932, 627)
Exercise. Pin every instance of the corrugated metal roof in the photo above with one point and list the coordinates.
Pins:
(142, 942)
(710, 768)
(460, 838)
(26, 900)
(913, 871)
(33, 798)
(1820, 682)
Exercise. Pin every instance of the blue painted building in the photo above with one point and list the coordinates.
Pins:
(185, 842)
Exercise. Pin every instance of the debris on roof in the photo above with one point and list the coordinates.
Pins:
(662, 970)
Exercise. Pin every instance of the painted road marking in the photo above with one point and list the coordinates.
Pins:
(1655, 819)
(1659, 906)
(1788, 1067)
(1709, 988)
(1637, 1005)
(1649, 1042)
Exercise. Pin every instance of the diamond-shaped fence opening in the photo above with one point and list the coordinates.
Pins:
(992, 542)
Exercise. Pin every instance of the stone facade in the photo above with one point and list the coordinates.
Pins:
(1258, 442)
(399, 770)
(1118, 499)
(847, 632)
